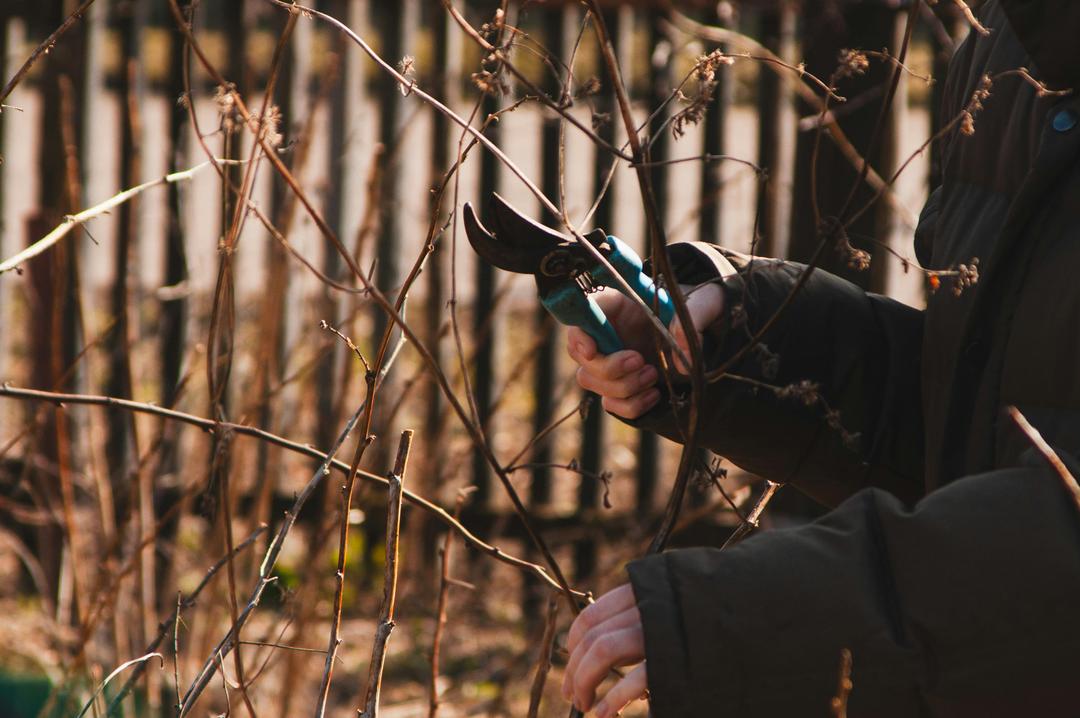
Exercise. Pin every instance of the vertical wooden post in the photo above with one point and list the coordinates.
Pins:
(484, 325)
(954, 26)
(54, 278)
(775, 133)
(445, 75)
(172, 327)
(712, 187)
(120, 446)
(544, 364)
(885, 219)
(327, 372)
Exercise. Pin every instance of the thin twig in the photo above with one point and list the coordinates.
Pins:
(833, 129)
(119, 669)
(1048, 453)
(970, 17)
(173, 621)
(839, 703)
(753, 519)
(305, 449)
(440, 609)
(386, 615)
(74, 220)
(543, 661)
(44, 49)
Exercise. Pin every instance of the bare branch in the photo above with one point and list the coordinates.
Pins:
(386, 615)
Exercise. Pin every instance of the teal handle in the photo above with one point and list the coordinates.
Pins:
(628, 264)
(574, 308)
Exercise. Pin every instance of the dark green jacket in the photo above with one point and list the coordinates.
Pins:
(950, 566)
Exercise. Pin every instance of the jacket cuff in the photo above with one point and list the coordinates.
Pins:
(661, 619)
(694, 264)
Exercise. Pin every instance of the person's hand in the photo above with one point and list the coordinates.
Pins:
(607, 634)
(626, 380)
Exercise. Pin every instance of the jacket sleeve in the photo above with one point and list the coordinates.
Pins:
(858, 421)
(964, 605)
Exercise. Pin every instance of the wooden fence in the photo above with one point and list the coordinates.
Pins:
(124, 306)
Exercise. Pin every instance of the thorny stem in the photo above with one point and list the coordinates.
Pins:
(560, 107)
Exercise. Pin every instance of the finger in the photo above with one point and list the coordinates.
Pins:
(618, 387)
(629, 618)
(630, 688)
(607, 606)
(579, 345)
(633, 407)
(617, 648)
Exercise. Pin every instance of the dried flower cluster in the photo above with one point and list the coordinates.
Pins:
(857, 259)
(226, 104)
(269, 126)
(967, 117)
(852, 64)
(705, 73)
(407, 68)
(806, 391)
(489, 83)
(961, 278)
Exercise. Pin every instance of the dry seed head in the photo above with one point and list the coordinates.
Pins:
(852, 63)
(407, 68)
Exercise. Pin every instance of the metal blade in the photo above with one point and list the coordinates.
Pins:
(498, 249)
(525, 231)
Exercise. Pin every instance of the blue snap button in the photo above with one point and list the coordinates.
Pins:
(1065, 120)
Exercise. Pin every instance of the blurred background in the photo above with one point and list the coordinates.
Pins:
(204, 293)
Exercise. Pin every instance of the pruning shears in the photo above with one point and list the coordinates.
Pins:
(566, 272)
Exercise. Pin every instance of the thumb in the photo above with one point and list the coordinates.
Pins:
(580, 346)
